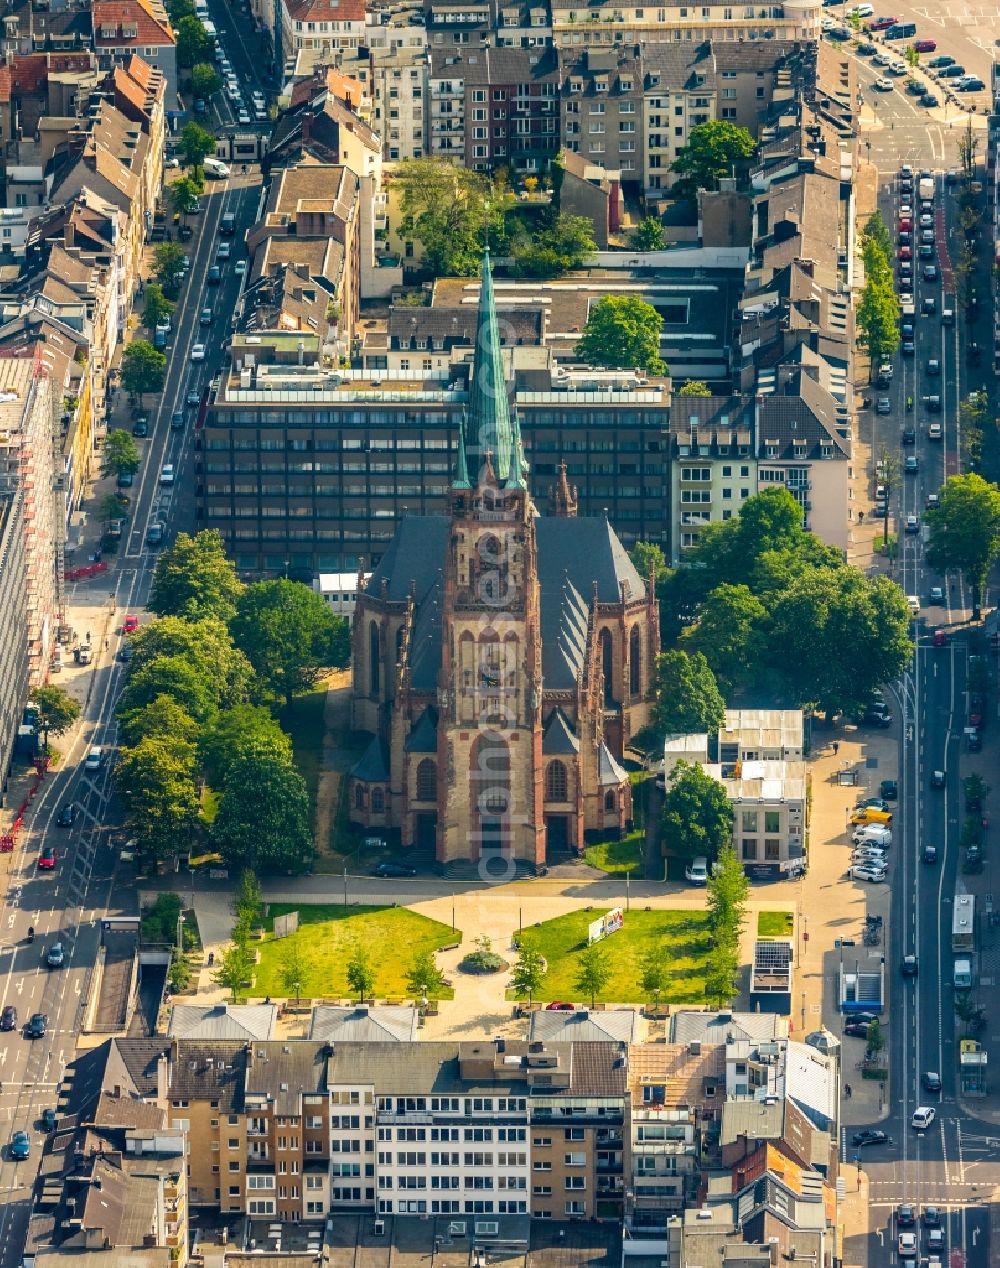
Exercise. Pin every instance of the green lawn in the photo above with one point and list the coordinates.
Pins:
(775, 924)
(618, 856)
(327, 935)
(682, 936)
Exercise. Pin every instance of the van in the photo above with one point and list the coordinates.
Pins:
(94, 759)
(227, 225)
(947, 316)
(901, 31)
(216, 168)
(962, 975)
(697, 871)
(868, 814)
(210, 30)
(873, 834)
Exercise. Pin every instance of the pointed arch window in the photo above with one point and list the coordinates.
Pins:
(556, 782)
(635, 661)
(374, 659)
(608, 665)
(427, 780)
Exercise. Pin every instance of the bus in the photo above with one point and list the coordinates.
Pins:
(963, 925)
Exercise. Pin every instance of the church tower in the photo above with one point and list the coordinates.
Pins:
(490, 683)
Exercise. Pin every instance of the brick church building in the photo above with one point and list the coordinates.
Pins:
(501, 659)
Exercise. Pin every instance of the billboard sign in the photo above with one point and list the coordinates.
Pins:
(606, 925)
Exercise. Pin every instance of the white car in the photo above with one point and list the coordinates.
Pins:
(907, 1245)
(905, 211)
(872, 834)
(867, 872)
(243, 118)
(862, 11)
(867, 855)
(882, 59)
(167, 474)
(198, 352)
(923, 1116)
(897, 68)
(173, 163)
(240, 268)
(882, 84)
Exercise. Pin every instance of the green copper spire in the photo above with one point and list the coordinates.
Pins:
(518, 462)
(461, 480)
(488, 425)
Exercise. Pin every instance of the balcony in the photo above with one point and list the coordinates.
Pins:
(609, 1140)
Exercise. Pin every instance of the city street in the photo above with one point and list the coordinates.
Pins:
(66, 904)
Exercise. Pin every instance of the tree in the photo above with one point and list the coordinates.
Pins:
(965, 532)
(162, 717)
(653, 974)
(248, 900)
(731, 634)
(185, 195)
(727, 891)
(687, 697)
(360, 974)
(121, 453)
(527, 974)
(424, 978)
(837, 635)
(649, 556)
(143, 368)
(695, 387)
(874, 1040)
(242, 729)
(968, 146)
(205, 80)
(293, 969)
(623, 332)
(559, 244)
(205, 646)
(712, 152)
(697, 813)
(193, 42)
(593, 972)
(721, 974)
(178, 9)
(875, 230)
(263, 817)
(112, 507)
(447, 209)
(156, 307)
(648, 235)
(289, 635)
(887, 470)
(235, 967)
(877, 311)
(195, 578)
(156, 781)
(172, 676)
(912, 56)
(57, 711)
(168, 264)
(196, 144)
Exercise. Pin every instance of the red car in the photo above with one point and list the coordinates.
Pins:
(47, 858)
(905, 224)
(557, 1007)
(925, 46)
(906, 253)
(131, 625)
(880, 24)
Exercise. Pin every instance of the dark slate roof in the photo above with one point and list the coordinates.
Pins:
(609, 773)
(373, 767)
(574, 555)
(139, 1056)
(558, 737)
(415, 554)
(283, 1071)
(209, 1070)
(423, 737)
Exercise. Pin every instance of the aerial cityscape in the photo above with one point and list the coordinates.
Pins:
(499, 634)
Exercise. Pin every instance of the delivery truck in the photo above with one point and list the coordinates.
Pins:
(925, 189)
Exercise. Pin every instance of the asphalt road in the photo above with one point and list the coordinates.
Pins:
(953, 1165)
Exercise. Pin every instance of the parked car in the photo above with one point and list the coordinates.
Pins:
(889, 790)
(8, 1018)
(870, 872)
(925, 46)
(393, 869)
(558, 1006)
(130, 624)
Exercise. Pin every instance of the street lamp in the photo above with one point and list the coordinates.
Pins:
(180, 933)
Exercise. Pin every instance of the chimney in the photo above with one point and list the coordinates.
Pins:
(162, 1080)
(307, 127)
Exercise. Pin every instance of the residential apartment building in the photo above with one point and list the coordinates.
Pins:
(758, 761)
(124, 29)
(28, 463)
(494, 107)
(323, 26)
(607, 22)
(13, 619)
(601, 101)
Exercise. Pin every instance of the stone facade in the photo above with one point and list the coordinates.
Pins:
(502, 659)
